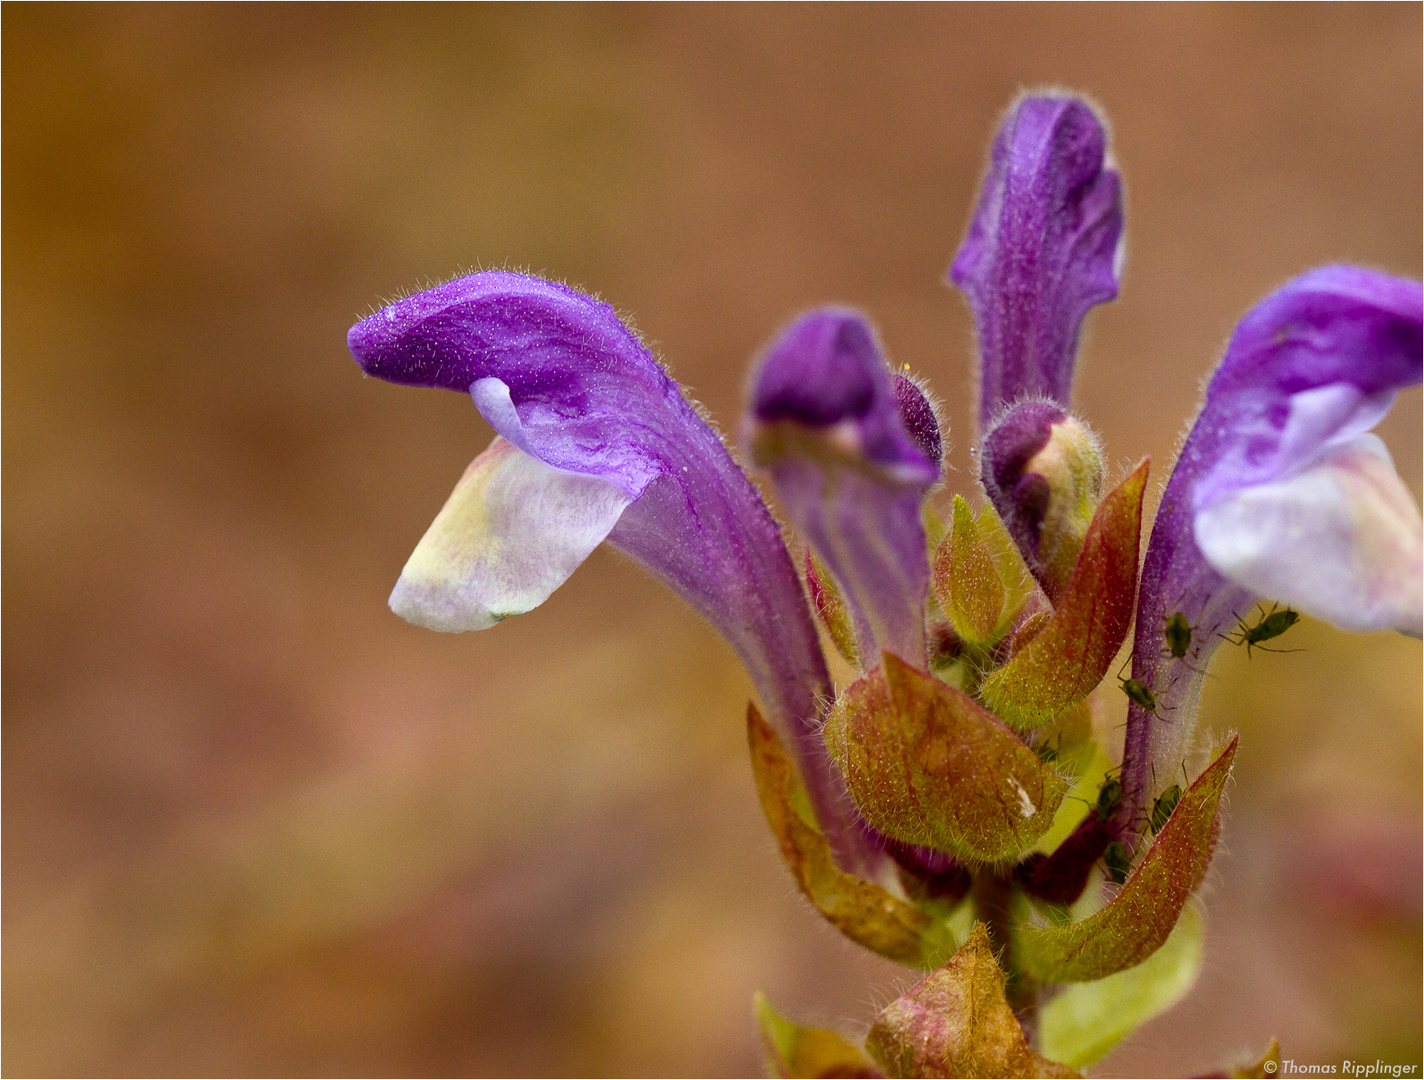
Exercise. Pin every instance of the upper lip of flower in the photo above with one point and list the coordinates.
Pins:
(1044, 245)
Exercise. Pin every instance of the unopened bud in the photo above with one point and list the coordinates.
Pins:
(1043, 471)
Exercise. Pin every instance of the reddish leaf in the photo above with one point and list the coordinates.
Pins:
(1064, 661)
(928, 765)
(1132, 927)
(863, 911)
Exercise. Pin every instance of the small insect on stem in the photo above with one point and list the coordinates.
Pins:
(1117, 861)
(1164, 804)
(1271, 625)
(1109, 795)
(1162, 808)
(1139, 693)
(1178, 633)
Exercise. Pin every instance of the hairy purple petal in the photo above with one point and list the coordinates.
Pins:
(826, 420)
(919, 417)
(1042, 249)
(1306, 372)
(562, 379)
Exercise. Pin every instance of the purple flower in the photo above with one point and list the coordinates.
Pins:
(1280, 492)
(829, 421)
(597, 442)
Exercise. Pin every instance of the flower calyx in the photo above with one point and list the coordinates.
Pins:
(966, 582)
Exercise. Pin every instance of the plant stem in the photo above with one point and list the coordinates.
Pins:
(993, 889)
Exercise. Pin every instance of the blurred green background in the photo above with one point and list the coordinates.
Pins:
(255, 824)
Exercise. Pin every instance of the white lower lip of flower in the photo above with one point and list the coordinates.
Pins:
(512, 532)
(1341, 540)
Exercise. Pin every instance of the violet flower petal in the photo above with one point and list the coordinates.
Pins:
(1043, 248)
(563, 380)
(1305, 373)
(826, 421)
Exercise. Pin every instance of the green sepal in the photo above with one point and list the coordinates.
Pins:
(1018, 581)
(1140, 918)
(831, 608)
(965, 581)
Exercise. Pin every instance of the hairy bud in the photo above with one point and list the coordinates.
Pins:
(1043, 471)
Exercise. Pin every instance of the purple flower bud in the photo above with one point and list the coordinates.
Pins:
(1043, 471)
(919, 417)
(1042, 248)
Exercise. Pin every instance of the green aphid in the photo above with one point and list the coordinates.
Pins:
(1117, 861)
(1271, 625)
(1178, 633)
(1163, 807)
(1139, 694)
(1109, 795)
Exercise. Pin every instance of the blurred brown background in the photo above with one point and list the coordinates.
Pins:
(255, 824)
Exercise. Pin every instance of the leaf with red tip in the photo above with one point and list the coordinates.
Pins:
(957, 1022)
(865, 912)
(928, 765)
(1070, 656)
(1137, 921)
